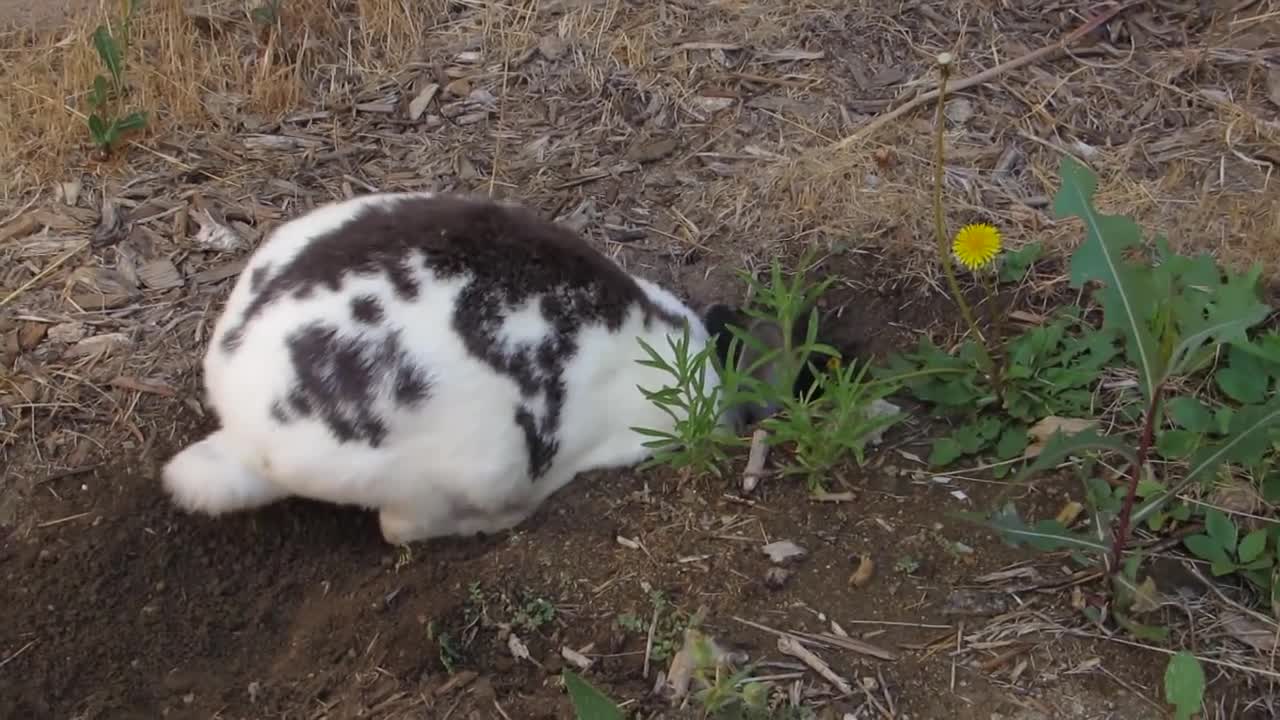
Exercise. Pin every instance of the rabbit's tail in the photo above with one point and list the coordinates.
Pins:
(210, 477)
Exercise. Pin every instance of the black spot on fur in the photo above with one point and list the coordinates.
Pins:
(341, 378)
(279, 413)
(411, 386)
(511, 257)
(232, 338)
(258, 277)
(367, 309)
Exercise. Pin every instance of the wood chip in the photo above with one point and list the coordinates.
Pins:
(575, 658)
(422, 100)
(219, 273)
(755, 460)
(652, 151)
(792, 647)
(154, 387)
(1251, 631)
(159, 274)
(104, 344)
(30, 334)
(21, 227)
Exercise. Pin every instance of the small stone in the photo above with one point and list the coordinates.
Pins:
(459, 88)
(775, 578)
(782, 551)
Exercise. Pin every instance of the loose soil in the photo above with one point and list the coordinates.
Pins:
(123, 608)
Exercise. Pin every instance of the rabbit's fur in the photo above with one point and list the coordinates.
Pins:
(450, 362)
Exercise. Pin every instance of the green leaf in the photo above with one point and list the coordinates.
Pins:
(1060, 446)
(132, 121)
(99, 94)
(1127, 296)
(1014, 265)
(1271, 486)
(1206, 548)
(588, 702)
(1252, 546)
(1184, 685)
(1246, 442)
(1220, 316)
(1012, 442)
(1241, 385)
(945, 451)
(1221, 529)
(97, 129)
(1174, 444)
(109, 50)
(1190, 414)
(1045, 535)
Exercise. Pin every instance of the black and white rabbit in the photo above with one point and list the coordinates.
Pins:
(448, 361)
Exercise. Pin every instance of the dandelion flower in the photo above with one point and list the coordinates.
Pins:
(976, 245)
(833, 363)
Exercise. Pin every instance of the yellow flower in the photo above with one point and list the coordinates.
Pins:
(833, 363)
(976, 245)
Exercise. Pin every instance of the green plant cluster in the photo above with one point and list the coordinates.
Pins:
(106, 127)
(1170, 323)
(823, 428)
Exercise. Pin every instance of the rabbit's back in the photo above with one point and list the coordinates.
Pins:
(400, 344)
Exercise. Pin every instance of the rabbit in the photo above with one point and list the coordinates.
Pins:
(448, 361)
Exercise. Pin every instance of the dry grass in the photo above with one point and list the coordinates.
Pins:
(195, 67)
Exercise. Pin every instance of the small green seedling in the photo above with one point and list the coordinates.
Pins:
(106, 129)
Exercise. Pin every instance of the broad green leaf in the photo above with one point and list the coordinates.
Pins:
(1222, 316)
(1252, 546)
(1012, 442)
(1190, 414)
(1127, 296)
(1221, 529)
(588, 702)
(1265, 347)
(1246, 442)
(1205, 548)
(1184, 685)
(1242, 385)
(945, 451)
(1271, 486)
(109, 51)
(1218, 568)
(1174, 444)
(975, 436)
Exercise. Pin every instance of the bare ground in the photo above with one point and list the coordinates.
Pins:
(687, 139)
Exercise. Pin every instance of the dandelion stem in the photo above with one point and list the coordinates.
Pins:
(939, 218)
(997, 335)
